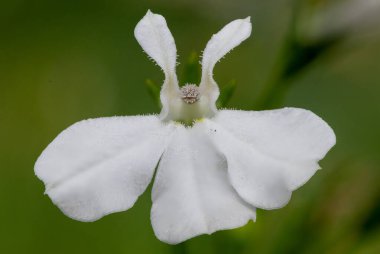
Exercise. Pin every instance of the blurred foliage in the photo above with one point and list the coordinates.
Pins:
(154, 91)
(64, 61)
(192, 71)
(226, 93)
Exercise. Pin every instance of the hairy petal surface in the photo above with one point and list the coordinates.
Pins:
(155, 38)
(100, 166)
(191, 193)
(270, 153)
(220, 44)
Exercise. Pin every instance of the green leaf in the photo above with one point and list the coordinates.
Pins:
(154, 91)
(226, 93)
(192, 70)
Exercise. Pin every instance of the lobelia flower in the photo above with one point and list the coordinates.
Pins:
(211, 175)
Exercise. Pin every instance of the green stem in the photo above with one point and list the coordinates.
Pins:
(274, 94)
(276, 88)
(179, 248)
(294, 58)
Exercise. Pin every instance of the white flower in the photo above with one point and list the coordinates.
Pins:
(211, 176)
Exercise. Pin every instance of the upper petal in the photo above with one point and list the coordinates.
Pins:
(271, 153)
(100, 166)
(220, 44)
(191, 193)
(157, 41)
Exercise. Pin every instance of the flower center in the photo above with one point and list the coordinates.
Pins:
(190, 93)
(189, 105)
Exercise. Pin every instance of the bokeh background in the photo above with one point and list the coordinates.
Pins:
(68, 60)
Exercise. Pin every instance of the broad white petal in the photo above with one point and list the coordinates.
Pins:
(100, 166)
(191, 193)
(156, 40)
(220, 44)
(271, 153)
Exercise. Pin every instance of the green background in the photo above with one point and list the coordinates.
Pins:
(64, 61)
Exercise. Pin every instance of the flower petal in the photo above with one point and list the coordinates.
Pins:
(100, 166)
(271, 153)
(191, 193)
(156, 40)
(220, 44)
